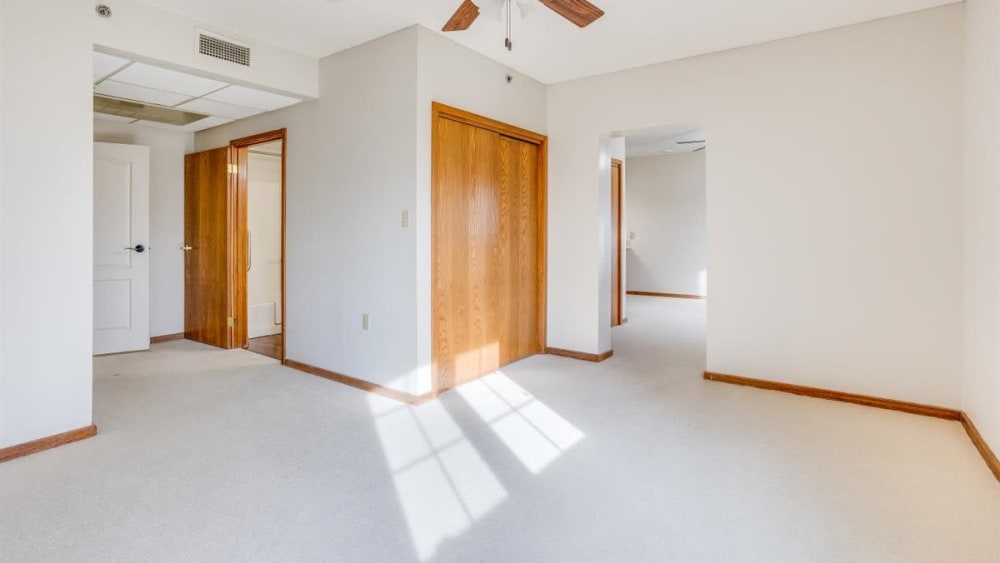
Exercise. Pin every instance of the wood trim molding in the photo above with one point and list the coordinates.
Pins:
(671, 295)
(868, 401)
(891, 404)
(266, 137)
(166, 338)
(47, 443)
(361, 384)
(584, 356)
(984, 449)
(439, 110)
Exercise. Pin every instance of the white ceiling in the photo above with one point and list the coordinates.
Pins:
(220, 101)
(632, 33)
(663, 142)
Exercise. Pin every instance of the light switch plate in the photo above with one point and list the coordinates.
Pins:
(406, 218)
(366, 322)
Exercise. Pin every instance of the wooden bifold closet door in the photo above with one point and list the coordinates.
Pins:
(488, 268)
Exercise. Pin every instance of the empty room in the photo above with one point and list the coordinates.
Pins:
(499, 280)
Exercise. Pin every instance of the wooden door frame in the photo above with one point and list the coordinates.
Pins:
(238, 231)
(441, 111)
(616, 238)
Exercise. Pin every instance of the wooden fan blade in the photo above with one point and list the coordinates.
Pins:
(580, 12)
(463, 17)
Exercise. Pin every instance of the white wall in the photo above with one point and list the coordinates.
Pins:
(264, 224)
(981, 389)
(346, 252)
(835, 259)
(166, 216)
(46, 256)
(351, 165)
(4, 48)
(668, 254)
(168, 40)
(46, 222)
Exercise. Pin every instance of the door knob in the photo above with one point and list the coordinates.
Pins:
(186, 247)
(137, 248)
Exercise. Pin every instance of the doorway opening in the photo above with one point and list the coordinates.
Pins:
(265, 324)
(260, 189)
(658, 234)
(667, 233)
(234, 223)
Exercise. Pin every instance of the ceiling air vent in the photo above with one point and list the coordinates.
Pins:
(219, 48)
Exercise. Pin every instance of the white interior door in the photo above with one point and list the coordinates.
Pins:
(121, 248)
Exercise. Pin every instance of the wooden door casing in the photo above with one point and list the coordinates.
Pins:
(241, 155)
(616, 242)
(239, 247)
(488, 246)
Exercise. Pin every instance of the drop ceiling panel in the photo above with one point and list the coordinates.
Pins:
(211, 107)
(138, 93)
(107, 64)
(148, 84)
(157, 78)
(109, 117)
(249, 97)
(206, 123)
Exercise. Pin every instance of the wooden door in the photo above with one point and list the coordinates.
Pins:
(121, 248)
(616, 242)
(208, 261)
(488, 267)
(517, 258)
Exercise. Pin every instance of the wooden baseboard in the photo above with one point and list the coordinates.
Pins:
(368, 386)
(913, 408)
(670, 295)
(984, 449)
(166, 338)
(42, 444)
(580, 355)
(868, 401)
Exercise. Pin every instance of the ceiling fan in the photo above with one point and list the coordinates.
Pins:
(580, 12)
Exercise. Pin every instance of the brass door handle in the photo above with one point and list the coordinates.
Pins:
(185, 248)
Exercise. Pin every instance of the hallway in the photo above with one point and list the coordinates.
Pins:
(215, 455)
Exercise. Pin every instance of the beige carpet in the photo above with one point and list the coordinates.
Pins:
(209, 455)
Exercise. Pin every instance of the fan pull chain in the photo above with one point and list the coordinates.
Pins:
(508, 43)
